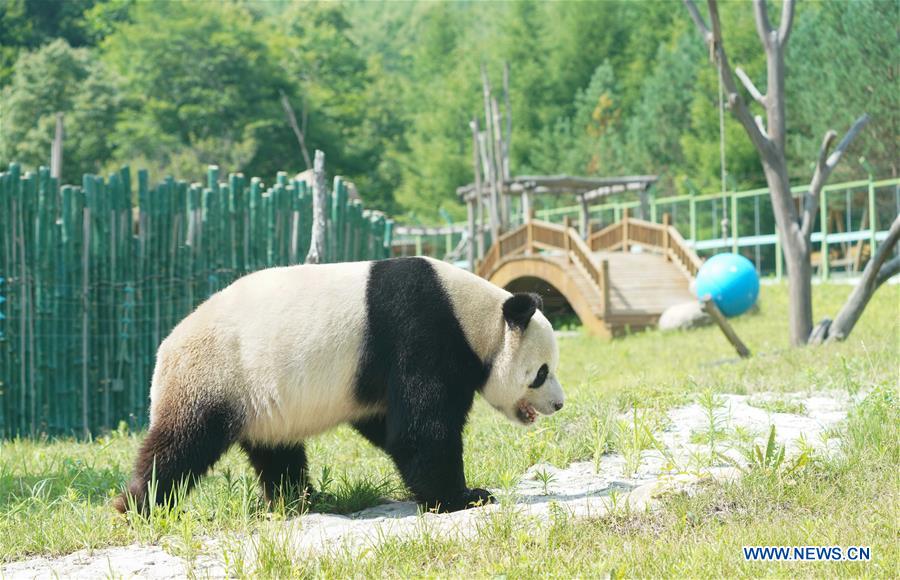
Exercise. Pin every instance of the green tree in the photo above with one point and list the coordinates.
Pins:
(26, 25)
(200, 83)
(857, 43)
(59, 78)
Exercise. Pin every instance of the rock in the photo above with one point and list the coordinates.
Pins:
(684, 316)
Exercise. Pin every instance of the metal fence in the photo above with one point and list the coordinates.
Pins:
(92, 278)
(853, 217)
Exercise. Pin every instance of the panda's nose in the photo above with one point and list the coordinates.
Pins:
(557, 405)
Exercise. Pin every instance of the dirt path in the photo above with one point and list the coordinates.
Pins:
(580, 489)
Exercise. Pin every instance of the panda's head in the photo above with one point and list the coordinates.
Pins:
(522, 381)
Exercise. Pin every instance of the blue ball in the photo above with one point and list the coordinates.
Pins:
(731, 281)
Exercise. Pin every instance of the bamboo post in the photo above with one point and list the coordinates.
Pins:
(85, 305)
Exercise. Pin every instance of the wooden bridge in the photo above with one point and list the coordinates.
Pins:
(623, 276)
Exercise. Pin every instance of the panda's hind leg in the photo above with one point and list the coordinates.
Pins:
(179, 448)
(281, 470)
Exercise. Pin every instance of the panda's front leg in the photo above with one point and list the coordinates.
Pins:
(426, 446)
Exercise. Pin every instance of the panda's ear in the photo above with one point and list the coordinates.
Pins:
(519, 308)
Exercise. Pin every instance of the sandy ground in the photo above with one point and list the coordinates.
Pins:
(579, 489)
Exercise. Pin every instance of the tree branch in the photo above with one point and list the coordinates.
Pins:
(698, 20)
(787, 21)
(713, 37)
(763, 27)
(760, 125)
(824, 166)
(300, 134)
(872, 277)
(751, 88)
(890, 268)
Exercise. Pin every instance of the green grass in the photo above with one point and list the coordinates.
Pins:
(54, 494)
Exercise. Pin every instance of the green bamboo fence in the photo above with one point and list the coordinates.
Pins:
(92, 278)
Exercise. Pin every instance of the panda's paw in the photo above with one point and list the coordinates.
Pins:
(476, 497)
(469, 498)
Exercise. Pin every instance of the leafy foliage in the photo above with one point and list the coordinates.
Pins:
(388, 90)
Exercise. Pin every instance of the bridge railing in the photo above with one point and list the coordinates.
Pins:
(663, 238)
(548, 236)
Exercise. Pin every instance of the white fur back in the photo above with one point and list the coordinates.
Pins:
(294, 336)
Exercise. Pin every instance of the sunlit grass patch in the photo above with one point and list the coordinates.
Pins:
(54, 495)
(778, 405)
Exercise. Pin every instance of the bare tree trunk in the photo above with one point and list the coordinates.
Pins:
(298, 132)
(507, 137)
(316, 253)
(56, 150)
(493, 205)
(794, 229)
(479, 193)
(874, 275)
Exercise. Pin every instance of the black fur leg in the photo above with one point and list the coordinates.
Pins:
(433, 470)
(178, 450)
(281, 470)
(374, 429)
(431, 461)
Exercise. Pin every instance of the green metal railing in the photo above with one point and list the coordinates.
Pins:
(750, 225)
(92, 278)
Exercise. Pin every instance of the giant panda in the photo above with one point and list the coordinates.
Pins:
(397, 348)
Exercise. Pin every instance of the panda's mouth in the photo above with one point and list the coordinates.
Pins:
(525, 412)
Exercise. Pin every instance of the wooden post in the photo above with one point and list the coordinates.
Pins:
(710, 307)
(493, 202)
(527, 213)
(470, 243)
(625, 229)
(666, 225)
(505, 202)
(604, 286)
(479, 193)
(566, 241)
(317, 247)
(584, 217)
(529, 238)
(56, 151)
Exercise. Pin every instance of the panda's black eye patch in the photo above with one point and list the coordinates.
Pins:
(540, 378)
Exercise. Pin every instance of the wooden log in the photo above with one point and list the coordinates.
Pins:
(470, 222)
(317, 247)
(709, 306)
